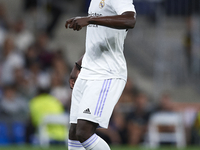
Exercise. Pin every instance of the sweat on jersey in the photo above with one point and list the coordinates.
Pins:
(104, 56)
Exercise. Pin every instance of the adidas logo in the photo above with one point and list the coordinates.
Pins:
(87, 111)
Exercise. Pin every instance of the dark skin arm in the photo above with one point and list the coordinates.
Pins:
(126, 20)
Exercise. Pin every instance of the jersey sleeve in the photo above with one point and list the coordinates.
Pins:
(121, 6)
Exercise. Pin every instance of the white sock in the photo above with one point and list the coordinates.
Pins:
(95, 143)
(75, 145)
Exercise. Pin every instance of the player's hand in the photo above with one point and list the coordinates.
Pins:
(73, 76)
(77, 23)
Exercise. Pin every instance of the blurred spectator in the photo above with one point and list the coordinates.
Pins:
(196, 131)
(117, 130)
(126, 100)
(61, 69)
(117, 133)
(23, 85)
(37, 78)
(119, 127)
(165, 104)
(41, 105)
(60, 90)
(12, 105)
(45, 54)
(23, 38)
(138, 119)
(59, 79)
(10, 61)
(31, 56)
(3, 24)
(13, 114)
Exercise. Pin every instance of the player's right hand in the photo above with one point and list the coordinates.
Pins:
(73, 76)
(77, 23)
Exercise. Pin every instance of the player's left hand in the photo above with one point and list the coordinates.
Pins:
(73, 76)
(77, 23)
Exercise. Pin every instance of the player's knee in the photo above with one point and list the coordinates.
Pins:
(85, 129)
(81, 135)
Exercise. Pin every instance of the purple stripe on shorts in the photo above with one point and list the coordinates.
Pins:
(105, 97)
(99, 97)
(105, 89)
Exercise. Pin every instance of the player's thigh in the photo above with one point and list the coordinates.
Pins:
(76, 100)
(107, 103)
(72, 132)
(85, 129)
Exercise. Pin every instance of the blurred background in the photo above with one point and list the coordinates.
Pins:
(161, 101)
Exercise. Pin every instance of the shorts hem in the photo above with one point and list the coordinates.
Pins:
(105, 78)
(73, 122)
(92, 120)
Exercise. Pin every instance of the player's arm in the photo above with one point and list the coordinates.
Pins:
(126, 20)
(74, 73)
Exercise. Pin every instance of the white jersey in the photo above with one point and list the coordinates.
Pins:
(104, 56)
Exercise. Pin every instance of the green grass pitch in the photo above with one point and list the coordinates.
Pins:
(112, 148)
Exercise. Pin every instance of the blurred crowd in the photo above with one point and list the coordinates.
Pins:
(28, 68)
(34, 82)
(134, 111)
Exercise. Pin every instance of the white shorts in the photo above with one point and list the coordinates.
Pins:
(94, 100)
